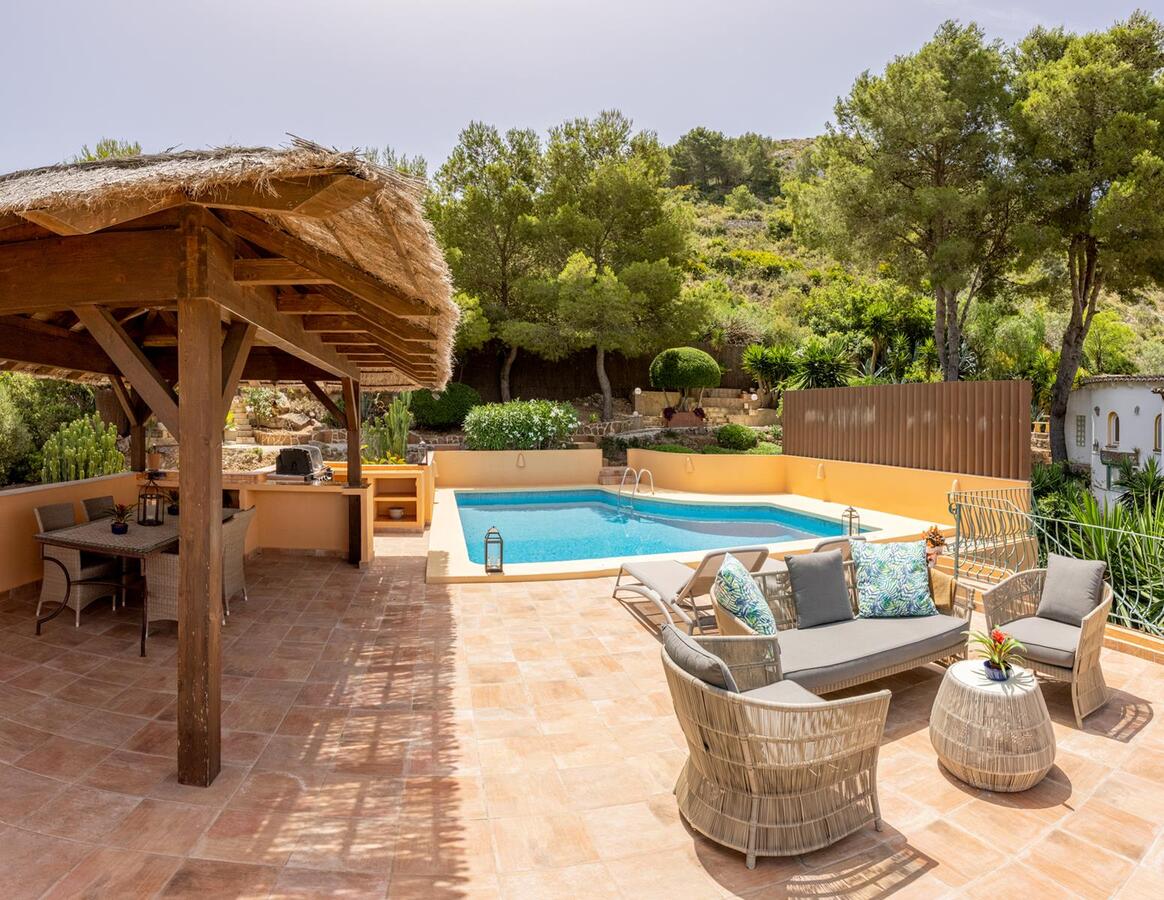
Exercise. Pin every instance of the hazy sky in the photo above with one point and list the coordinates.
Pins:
(348, 73)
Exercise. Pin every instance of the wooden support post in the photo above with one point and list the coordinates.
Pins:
(236, 347)
(200, 525)
(351, 390)
(138, 414)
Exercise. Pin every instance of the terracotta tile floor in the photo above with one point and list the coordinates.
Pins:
(387, 738)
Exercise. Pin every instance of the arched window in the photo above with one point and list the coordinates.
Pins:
(1113, 429)
(1157, 435)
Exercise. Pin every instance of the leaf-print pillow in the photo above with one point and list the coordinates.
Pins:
(892, 580)
(737, 592)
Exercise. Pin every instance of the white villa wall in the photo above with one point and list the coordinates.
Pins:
(1137, 408)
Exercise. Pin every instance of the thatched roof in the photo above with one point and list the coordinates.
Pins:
(384, 234)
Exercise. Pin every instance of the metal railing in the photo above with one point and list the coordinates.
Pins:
(998, 533)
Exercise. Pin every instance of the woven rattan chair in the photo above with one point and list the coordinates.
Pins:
(768, 778)
(79, 565)
(161, 571)
(98, 507)
(1018, 598)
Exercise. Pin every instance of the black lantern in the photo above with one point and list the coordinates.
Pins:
(151, 502)
(852, 520)
(494, 552)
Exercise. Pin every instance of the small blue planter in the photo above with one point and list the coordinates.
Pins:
(996, 674)
(119, 527)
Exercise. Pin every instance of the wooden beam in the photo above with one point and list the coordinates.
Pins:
(351, 389)
(40, 344)
(132, 362)
(78, 218)
(334, 269)
(396, 333)
(302, 304)
(258, 308)
(263, 364)
(314, 196)
(236, 347)
(322, 396)
(119, 268)
(200, 543)
(337, 337)
(138, 414)
(274, 272)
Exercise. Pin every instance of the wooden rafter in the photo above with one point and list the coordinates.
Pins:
(315, 196)
(132, 362)
(236, 347)
(26, 340)
(325, 399)
(398, 335)
(80, 218)
(342, 273)
(274, 272)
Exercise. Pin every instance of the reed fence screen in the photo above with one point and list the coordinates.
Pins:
(968, 427)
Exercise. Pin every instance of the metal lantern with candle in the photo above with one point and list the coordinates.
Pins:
(494, 552)
(151, 502)
(852, 521)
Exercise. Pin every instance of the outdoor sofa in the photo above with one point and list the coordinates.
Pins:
(772, 769)
(840, 654)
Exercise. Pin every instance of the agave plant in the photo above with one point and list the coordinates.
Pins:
(1140, 486)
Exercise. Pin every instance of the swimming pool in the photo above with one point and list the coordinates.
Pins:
(550, 526)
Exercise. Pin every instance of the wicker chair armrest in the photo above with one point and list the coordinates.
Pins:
(753, 660)
(1014, 598)
(827, 730)
(1091, 632)
(68, 557)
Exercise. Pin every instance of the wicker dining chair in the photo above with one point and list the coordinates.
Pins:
(161, 571)
(98, 507)
(80, 565)
(769, 778)
(1077, 661)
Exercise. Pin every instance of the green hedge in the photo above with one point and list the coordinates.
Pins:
(445, 410)
(520, 425)
(736, 437)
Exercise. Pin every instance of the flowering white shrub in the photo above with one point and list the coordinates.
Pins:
(520, 425)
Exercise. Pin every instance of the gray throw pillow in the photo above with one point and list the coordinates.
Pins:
(819, 589)
(694, 660)
(1072, 589)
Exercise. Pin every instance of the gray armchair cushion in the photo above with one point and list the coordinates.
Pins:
(819, 589)
(853, 649)
(1072, 589)
(783, 691)
(1045, 640)
(694, 660)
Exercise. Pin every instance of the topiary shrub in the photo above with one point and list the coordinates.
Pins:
(520, 425)
(736, 437)
(684, 369)
(445, 410)
(85, 448)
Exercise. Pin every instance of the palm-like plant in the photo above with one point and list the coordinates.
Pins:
(823, 363)
(1140, 486)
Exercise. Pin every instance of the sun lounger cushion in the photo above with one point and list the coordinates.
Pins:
(736, 590)
(1072, 589)
(666, 577)
(1045, 640)
(784, 691)
(892, 579)
(694, 660)
(840, 651)
(818, 588)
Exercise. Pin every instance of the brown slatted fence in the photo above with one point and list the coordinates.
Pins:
(970, 427)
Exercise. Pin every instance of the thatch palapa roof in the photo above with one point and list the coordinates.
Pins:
(336, 246)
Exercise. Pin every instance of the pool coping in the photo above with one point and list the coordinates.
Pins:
(448, 559)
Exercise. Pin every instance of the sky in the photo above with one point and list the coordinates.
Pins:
(359, 73)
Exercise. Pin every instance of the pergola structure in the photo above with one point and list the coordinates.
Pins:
(174, 276)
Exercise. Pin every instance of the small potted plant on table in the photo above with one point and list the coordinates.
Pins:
(154, 458)
(121, 516)
(1000, 653)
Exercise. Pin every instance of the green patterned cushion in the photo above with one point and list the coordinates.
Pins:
(892, 580)
(737, 592)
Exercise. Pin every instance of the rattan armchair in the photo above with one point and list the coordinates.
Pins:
(66, 569)
(1018, 597)
(768, 778)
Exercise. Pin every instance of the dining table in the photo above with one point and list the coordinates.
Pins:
(138, 543)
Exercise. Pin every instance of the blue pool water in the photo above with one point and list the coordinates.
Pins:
(548, 526)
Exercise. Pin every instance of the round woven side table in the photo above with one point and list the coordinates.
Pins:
(995, 735)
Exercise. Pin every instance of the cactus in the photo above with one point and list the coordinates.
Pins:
(387, 435)
(83, 448)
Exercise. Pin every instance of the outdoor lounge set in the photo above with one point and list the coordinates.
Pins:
(775, 769)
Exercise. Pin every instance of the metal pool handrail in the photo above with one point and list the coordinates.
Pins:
(639, 478)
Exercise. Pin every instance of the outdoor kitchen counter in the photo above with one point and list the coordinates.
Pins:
(305, 518)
